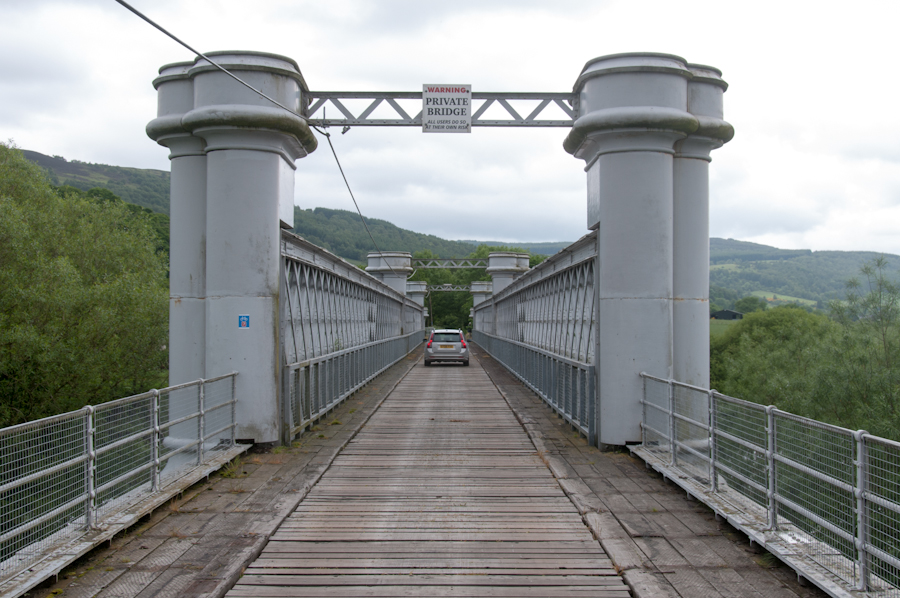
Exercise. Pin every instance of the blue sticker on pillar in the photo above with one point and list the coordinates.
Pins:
(244, 321)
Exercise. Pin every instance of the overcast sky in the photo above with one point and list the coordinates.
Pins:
(815, 162)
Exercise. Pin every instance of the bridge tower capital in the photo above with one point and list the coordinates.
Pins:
(416, 290)
(645, 126)
(504, 267)
(481, 291)
(391, 267)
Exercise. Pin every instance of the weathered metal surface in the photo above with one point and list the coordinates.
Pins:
(440, 494)
(320, 101)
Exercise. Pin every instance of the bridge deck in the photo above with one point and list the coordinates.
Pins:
(441, 493)
(665, 545)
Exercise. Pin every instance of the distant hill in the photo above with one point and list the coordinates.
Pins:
(341, 232)
(146, 188)
(748, 268)
(737, 268)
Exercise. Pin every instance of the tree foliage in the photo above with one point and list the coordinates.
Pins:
(83, 311)
(843, 369)
(750, 304)
(451, 309)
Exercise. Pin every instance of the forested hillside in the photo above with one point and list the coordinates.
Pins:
(737, 268)
(819, 276)
(341, 232)
(146, 188)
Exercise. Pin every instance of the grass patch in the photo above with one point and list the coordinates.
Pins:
(776, 299)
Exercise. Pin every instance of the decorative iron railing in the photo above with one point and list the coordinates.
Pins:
(542, 327)
(340, 328)
(824, 499)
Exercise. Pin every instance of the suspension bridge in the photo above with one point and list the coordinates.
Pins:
(372, 476)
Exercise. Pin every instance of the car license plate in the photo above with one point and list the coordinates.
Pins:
(446, 346)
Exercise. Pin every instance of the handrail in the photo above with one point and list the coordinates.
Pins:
(826, 492)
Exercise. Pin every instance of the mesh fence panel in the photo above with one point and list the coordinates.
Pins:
(816, 448)
(43, 477)
(691, 429)
(217, 404)
(123, 443)
(883, 512)
(180, 424)
(741, 440)
(656, 416)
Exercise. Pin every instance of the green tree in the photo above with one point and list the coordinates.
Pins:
(750, 304)
(83, 312)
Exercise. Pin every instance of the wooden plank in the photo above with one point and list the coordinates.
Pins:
(440, 494)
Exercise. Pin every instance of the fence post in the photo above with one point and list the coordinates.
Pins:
(592, 422)
(672, 435)
(771, 503)
(862, 519)
(154, 441)
(201, 420)
(713, 445)
(233, 410)
(90, 513)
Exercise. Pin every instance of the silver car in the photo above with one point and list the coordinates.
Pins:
(446, 345)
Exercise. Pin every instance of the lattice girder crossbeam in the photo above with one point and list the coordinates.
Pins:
(319, 101)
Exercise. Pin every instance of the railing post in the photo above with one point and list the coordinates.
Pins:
(201, 420)
(771, 503)
(671, 389)
(643, 408)
(592, 422)
(233, 411)
(862, 519)
(90, 511)
(713, 444)
(154, 441)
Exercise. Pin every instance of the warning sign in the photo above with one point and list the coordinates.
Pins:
(447, 108)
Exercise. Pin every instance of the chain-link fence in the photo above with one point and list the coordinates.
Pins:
(824, 498)
(63, 476)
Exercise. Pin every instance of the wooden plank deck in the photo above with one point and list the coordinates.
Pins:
(440, 494)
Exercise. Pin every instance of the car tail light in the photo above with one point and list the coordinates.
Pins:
(463, 341)
(429, 341)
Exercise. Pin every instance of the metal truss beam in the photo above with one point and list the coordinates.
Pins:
(319, 101)
(449, 288)
(452, 262)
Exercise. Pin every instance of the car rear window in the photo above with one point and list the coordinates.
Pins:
(446, 337)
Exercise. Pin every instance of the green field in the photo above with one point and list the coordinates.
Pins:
(776, 299)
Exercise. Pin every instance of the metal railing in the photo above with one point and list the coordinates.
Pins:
(564, 384)
(340, 327)
(823, 498)
(541, 328)
(64, 476)
(316, 386)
